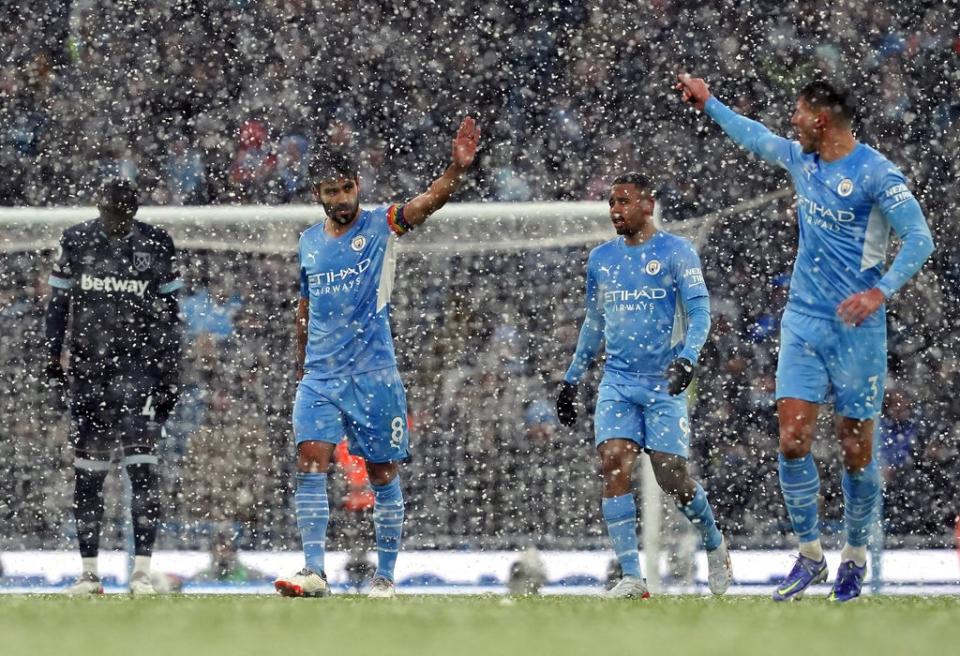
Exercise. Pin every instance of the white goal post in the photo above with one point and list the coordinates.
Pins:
(457, 228)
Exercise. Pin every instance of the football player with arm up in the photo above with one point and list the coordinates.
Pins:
(833, 340)
(647, 301)
(346, 366)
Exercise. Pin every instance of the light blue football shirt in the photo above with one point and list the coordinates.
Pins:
(846, 210)
(637, 300)
(348, 281)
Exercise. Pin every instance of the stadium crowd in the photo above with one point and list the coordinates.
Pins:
(223, 102)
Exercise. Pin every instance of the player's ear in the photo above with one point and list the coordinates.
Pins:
(650, 201)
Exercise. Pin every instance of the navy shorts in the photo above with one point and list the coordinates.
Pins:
(111, 412)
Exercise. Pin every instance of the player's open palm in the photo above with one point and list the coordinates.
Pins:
(465, 143)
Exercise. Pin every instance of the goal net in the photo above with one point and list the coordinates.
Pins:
(487, 306)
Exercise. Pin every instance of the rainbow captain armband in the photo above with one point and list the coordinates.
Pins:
(396, 221)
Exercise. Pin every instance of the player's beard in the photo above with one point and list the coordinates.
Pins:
(342, 214)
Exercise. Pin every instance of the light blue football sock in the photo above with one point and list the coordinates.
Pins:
(620, 513)
(700, 514)
(800, 483)
(313, 513)
(861, 490)
(388, 525)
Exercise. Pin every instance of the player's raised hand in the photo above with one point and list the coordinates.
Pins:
(857, 307)
(693, 90)
(465, 143)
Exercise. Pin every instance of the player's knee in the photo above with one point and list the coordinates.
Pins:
(613, 465)
(794, 444)
(672, 477)
(857, 452)
(313, 457)
(381, 474)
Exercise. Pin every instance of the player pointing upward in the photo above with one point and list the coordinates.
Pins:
(647, 300)
(833, 333)
(349, 383)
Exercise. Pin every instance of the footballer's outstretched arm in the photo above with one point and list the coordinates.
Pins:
(750, 134)
(464, 149)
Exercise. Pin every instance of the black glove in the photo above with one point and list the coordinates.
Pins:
(566, 410)
(55, 374)
(164, 400)
(679, 375)
(56, 382)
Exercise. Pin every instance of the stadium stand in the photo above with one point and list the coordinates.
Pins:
(222, 102)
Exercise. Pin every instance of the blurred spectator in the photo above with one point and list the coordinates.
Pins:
(253, 162)
(211, 310)
(292, 167)
(897, 434)
(184, 173)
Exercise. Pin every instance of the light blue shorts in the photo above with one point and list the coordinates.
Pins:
(369, 409)
(825, 360)
(645, 413)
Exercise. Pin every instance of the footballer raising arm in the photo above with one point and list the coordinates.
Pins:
(464, 149)
(833, 331)
(349, 384)
(340, 198)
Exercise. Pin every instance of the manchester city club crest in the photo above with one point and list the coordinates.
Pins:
(358, 243)
(653, 267)
(845, 188)
(141, 261)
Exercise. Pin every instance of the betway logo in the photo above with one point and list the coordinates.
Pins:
(824, 212)
(111, 284)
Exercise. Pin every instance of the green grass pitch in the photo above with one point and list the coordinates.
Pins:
(352, 626)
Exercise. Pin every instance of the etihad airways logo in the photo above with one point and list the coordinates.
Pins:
(111, 284)
(627, 295)
(817, 211)
(633, 300)
(343, 280)
(330, 277)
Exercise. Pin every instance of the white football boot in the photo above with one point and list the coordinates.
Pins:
(629, 587)
(305, 583)
(719, 569)
(382, 588)
(141, 585)
(86, 584)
